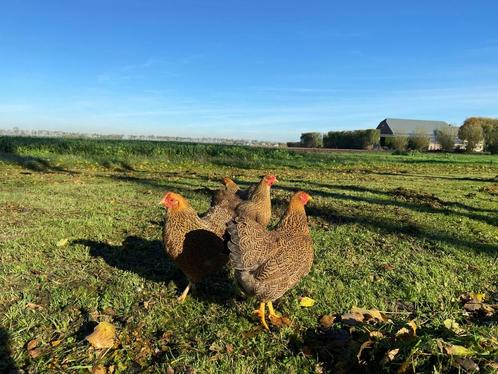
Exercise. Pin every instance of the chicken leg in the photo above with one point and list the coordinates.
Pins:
(183, 296)
(275, 317)
(261, 314)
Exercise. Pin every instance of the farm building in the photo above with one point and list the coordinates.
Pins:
(391, 127)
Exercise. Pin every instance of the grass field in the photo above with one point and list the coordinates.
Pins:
(80, 238)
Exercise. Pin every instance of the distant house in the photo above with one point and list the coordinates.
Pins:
(391, 127)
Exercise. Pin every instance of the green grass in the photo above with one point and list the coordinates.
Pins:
(403, 234)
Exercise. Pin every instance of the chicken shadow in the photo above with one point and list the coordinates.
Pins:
(33, 163)
(148, 259)
(7, 364)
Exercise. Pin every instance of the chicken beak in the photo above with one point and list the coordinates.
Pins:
(163, 201)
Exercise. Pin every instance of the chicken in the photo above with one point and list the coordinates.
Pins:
(231, 195)
(194, 244)
(258, 207)
(268, 263)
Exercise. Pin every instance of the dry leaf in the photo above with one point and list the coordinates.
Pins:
(407, 332)
(370, 314)
(102, 336)
(99, 369)
(392, 353)
(62, 242)
(34, 306)
(32, 344)
(229, 348)
(352, 318)
(306, 301)
(376, 334)
(467, 363)
(34, 353)
(327, 321)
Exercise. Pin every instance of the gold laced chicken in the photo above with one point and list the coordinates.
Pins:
(268, 263)
(231, 195)
(195, 244)
(258, 207)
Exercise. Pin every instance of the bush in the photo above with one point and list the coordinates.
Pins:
(399, 143)
(359, 139)
(471, 132)
(293, 144)
(419, 141)
(312, 140)
(446, 138)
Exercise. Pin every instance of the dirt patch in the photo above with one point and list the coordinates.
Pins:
(423, 198)
(492, 189)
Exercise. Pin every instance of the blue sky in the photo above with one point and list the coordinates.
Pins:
(244, 69)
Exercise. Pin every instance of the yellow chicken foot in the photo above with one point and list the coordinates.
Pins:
(275, 317)
(183, 296)
(261, 314)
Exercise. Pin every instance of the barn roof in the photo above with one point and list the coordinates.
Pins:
(400, 126)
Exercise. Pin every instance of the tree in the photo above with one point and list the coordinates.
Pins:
(419, 140)
(490, 131)
(312, 140)
(446, 138)
(471, 132)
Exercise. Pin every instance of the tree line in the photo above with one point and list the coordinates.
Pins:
(475, 132)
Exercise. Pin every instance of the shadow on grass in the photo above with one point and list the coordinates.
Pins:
(6, 362)
(33, 163)
(409, 228)
(408, 199)
(148, 259)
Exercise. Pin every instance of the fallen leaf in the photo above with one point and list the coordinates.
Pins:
(34, 306)
(62, 242)
(457, 350)
(99, 369)
(477, 297)
(306, 301)
(32, 344)
(370, 314)
(327, 321)
(407, 332)
(229, 348)
(352, 318)
(34, 353)
(376, 334)
(392, 353)
(453, 326)
(102, 336)
(467, 363)
(55, 343)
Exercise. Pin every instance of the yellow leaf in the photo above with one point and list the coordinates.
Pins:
(62, 242)
(55, 343)
(102, 336)
(376, 334)
(477, 297)
(306, 301)
(457, 350)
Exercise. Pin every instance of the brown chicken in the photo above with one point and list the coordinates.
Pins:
(194, 244)
(258, 207)
(231, 195)
(268, 263)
